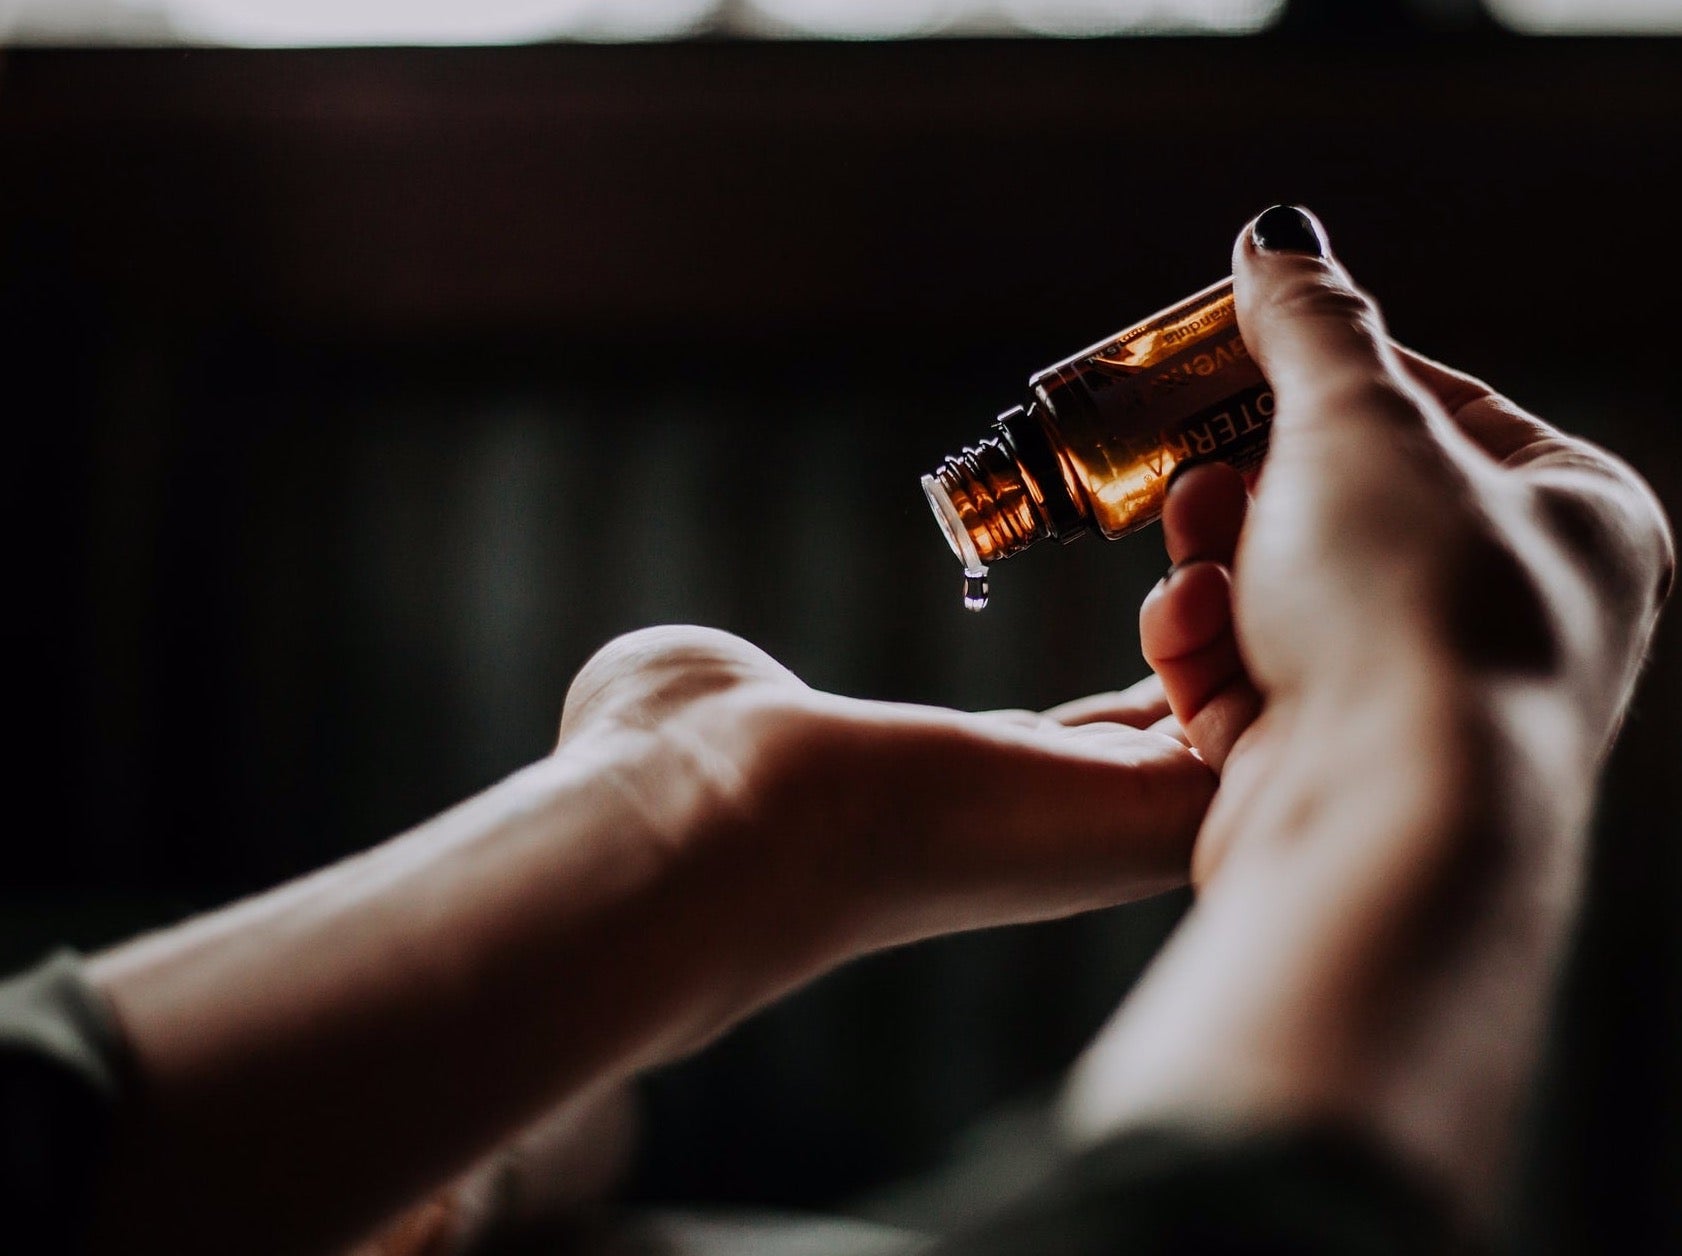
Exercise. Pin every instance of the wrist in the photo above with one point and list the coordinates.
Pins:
(717, 806)
(1379, 944)
(551, 933)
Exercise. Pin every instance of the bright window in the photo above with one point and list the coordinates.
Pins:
(1590, 17)
(270, 23)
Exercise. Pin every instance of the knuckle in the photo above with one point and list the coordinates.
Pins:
(1342, 364)
(1655, 534)
(1605, 516)
(1507, 431)
(1323, 294)
(1666, 582)
(1656, 545)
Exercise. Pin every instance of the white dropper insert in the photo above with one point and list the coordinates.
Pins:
(963, 545)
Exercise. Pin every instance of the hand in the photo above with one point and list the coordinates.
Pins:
(709, 833)
(1406, 657)
(857, 824)
(820, 827)
(531, 1186)
(1413, 531)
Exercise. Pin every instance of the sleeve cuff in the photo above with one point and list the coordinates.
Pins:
(62, 1069)
(1308, 1192)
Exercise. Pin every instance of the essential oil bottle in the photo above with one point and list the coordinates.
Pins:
(1099, 434)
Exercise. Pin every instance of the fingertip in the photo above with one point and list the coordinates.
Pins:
(1222, 719)
(1186, 631)
(1187, 612)
(1170, 726)
(1139, 705)
(1318, 339)
(1288, 229)
(1281, 242)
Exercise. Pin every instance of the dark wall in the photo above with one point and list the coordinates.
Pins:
(355, 397)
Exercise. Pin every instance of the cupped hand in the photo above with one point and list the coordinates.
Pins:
(1412, 530)
(838, 826)
(862, 823)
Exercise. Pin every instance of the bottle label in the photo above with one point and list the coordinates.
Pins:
(1177, 389)
(1233, 430)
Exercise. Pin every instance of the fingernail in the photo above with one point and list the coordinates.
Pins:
(1288, 229)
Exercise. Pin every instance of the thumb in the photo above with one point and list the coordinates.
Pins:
(1318, 339)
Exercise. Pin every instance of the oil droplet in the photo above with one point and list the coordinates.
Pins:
(975, 588)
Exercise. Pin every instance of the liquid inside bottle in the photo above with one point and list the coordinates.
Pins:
(1098, 436)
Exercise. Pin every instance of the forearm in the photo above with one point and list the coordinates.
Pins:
(1436, 608)
(1379, 950)
(364, 1034)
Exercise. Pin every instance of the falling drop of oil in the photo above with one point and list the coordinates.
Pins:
(975, 588)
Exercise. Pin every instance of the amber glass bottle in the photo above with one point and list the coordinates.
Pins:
(1100, 433)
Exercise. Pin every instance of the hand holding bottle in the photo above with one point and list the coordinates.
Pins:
(1414, 535)
(1406, 656)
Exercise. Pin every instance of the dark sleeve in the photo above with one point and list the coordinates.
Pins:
(1156, 1191)
(61, 1062)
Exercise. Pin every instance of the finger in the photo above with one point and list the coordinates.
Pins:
(1170, 726)
(1185, 629)
(1140, 705)
(1317, 338)
(1592, 501)
(1204, 514)
(434, 1225)
(1501, 429)
(570, 1157)
(1201, 520)
(1044, 821)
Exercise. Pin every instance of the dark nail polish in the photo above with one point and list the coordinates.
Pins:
(1287, 229)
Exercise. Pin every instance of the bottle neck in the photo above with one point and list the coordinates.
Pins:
(982, 500)
(998, 497)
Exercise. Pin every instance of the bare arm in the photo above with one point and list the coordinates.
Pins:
(319, 1055)
(709, 833)
(1407, 664)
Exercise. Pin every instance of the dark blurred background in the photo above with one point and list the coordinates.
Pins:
(356, 396)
